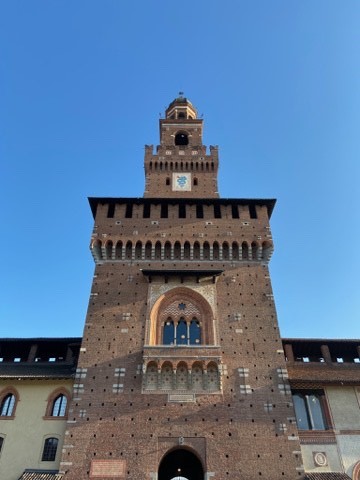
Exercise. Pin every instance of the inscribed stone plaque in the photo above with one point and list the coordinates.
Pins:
(107, 468)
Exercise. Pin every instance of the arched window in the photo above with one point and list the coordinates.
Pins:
(226, 254)
(181, 333)
(181, 317)
(167, 251)
(254, 250)
(245, 251)
(266, 250)
(195, 332)
(138, 250)
(187, 251)
(157, 251)
(206, 251)
(50, 449)
(118, 250)
(169, 332)
(96, 250)
(235, 251)
(216, 251)
(177, 251)
(108, 249)
(310, 410)
(196, 251)
(7, 408)
(148, 248)
(181, 138)
(59, 406)
(128, 250)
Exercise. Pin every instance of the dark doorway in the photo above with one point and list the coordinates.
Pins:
(180, 463)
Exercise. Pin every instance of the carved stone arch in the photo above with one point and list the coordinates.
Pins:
(187, 250)
(245, 250)
(148, 250)
(119, 250)
(182, 375)
(177, 250)
(96, 250)
(216, 251)
(182, 460)
(266, 250)
(158, 249)
(254, 250)
(109, 249)
(197, 374)
(206, 250)
(226, 251)
(138, 250)
(128, 250)
(213, 376)
(235, 251)
(151, 376)
(177, 303)
(167, 376)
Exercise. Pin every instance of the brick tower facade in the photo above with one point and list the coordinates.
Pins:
(181, 371)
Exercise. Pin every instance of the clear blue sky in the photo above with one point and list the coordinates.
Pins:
(82, 84)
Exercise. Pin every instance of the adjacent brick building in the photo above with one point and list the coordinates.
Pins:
(181, 369)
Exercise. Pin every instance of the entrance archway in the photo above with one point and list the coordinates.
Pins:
(180, 463)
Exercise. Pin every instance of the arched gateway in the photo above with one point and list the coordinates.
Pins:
(180, 463)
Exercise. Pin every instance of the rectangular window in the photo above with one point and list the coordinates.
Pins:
(217, 211)
(146, 211)
(252, 211)
(311, 410)
(199, 211)
(164, 210)
(129, 210)
(111, 210)
(50, 448)
(182, 211)
(235, 211)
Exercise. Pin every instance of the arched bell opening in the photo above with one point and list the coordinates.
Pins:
(180, 463)
(181, 138)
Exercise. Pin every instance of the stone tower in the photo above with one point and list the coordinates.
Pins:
(181, 371)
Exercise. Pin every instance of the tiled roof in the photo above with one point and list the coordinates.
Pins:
(40, 475)
(327, 476)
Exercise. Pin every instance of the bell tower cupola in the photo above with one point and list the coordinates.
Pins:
(181, 167)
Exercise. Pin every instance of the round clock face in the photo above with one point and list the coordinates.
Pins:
(181, 182)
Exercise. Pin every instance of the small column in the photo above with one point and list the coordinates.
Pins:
(289, 352)
(32, 353)
(326, 353)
